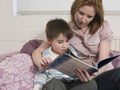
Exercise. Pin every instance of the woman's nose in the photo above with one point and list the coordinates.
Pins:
(83, 18)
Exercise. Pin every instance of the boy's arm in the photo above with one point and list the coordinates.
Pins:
(37, 54)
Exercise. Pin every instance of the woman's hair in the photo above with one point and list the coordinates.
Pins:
(55, 27)
(99, 17)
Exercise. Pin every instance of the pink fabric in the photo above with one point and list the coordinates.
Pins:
(17, 72)
(116, 62)
(17, 69)
(30, 46)
(3, 56)
(87, 43)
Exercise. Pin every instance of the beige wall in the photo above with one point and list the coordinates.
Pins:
(16, 30)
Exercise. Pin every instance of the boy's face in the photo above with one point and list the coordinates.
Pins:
(59, 44)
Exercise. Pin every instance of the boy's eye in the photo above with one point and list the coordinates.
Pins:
(60, 42)
(67, 40)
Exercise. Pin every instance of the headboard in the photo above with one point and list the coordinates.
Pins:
(15, 45)
(116, 43)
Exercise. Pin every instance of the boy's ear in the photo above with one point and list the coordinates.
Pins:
(49, 40)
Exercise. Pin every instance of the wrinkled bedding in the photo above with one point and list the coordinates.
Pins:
(17, 69)
(16, 72)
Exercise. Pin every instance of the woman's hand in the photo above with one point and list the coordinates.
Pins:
(37, 54)
(84, 76)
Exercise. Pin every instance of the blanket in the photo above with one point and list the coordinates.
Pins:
(17, 72)
(17, 69)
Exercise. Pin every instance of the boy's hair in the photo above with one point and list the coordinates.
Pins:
(55, 27)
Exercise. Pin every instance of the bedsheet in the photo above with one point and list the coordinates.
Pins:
(17, 69)
(3, 56)
(16, 72)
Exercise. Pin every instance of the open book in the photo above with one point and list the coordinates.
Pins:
(68, 62)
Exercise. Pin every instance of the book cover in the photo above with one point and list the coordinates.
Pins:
(68, 62)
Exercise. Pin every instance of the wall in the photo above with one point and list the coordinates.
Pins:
(37, 5)
(16, 30)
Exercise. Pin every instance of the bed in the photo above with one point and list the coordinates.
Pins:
(17, 69)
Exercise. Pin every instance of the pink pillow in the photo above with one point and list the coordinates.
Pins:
(3, 56)
(30, 46)
(116, 62)
(17, 72)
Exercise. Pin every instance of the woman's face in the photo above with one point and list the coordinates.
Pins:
(84, 16)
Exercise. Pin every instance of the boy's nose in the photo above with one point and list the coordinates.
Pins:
(65, 45)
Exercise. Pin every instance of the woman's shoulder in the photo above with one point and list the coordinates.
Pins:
(106, 23)
(105, 26)
(105, 31)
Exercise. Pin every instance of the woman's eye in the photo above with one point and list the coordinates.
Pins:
(81, 13)
(89, 16)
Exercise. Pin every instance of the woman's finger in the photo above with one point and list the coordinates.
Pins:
(87, 75)
(81, 75)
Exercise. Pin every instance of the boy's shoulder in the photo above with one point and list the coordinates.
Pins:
(46, 52)
(49, 53)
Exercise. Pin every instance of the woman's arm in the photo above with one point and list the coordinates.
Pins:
(37, 54)
(103, 50)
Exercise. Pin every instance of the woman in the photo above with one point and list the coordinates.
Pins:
(92, 37)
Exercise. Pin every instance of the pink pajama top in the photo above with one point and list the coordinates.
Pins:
(87, 44)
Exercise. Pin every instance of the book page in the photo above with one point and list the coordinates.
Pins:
(69, 66)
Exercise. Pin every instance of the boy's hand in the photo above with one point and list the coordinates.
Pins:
(44, 63)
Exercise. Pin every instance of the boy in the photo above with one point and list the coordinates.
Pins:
(58, 34)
